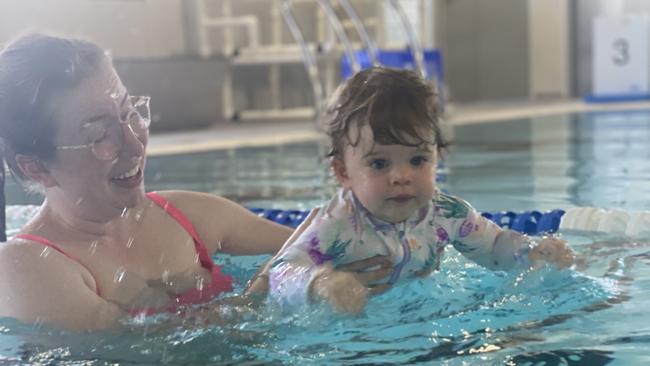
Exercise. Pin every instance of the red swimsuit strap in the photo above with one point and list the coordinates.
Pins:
(47, 243)
(204, 257)
(220, 282)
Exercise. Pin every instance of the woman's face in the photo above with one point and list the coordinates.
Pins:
(83, 116)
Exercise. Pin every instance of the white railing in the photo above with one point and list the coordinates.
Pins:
(332, 39)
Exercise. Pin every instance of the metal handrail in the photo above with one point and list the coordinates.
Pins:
(309, 59)
(414, 42)
(361, 29)
(338, 28)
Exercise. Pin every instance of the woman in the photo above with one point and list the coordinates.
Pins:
(100, 248)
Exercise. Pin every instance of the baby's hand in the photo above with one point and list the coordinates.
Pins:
(342, 290)
(553, 251)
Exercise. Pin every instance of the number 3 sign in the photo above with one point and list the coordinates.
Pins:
(620, 57)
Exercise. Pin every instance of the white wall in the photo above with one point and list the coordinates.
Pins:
(584, 13)
(130, 28)
(549, 47)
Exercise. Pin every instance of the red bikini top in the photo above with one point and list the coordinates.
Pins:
(220, 282)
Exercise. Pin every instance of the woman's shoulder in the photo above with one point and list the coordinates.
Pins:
(22, 255)
(188, 201)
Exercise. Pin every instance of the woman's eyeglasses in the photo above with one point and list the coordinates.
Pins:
(111, 138)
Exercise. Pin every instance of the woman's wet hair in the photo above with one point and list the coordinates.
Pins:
(34, 68)
(398, 105)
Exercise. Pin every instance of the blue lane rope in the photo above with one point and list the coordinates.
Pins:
(528, 222)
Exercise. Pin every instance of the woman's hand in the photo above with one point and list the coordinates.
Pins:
(347, 288)
(553, 251)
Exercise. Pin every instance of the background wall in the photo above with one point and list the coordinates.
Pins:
(493, 50)
(584, 11)
(130, 28)
(485, 46)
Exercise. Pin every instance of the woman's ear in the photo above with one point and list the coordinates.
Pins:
(341, 174)
(35, 170)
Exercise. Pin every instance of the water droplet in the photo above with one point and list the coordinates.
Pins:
(78, 202)
(38, 323)
(129, 242)
(200, 282)
(45, 252)
(138, 215)
(114, 95)
(119, 275)
(93, 247)
(165, 275)
(124, 212)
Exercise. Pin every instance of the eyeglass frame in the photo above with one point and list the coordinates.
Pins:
(91, 145)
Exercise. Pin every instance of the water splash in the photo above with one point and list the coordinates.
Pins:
(45, 252)
(200, 283)
(129, 242)
(165, 275)
(120, 273)
(138, 215)
(92, 249)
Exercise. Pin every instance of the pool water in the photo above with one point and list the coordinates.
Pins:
(461, 315)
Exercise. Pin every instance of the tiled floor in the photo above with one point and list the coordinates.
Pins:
(228, 135)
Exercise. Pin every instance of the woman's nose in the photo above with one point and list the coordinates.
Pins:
(132, 141)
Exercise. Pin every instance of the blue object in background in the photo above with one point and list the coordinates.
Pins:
(402, 59)
(529, 222)
(616, 98)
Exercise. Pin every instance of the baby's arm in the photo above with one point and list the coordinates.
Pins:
(484, 242)
(293, 269)
(304, 270)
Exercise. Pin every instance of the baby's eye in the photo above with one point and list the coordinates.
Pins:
(419, 160)
(379, 164)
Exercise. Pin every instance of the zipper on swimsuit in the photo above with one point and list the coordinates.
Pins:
(407, 254)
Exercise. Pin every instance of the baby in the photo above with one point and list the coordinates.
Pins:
(385, 139)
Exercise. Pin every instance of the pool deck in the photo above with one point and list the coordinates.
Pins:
(226, 135)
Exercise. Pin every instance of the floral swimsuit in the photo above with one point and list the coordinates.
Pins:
(344, 231)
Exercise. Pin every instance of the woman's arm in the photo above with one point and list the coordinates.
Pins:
(52, 290)
(227, 227)
(258, 286)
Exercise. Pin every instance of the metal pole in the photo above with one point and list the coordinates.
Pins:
(309, 60)
(361, 29)
(340, 33)
(414, 43)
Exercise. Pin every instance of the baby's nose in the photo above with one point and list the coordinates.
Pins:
(400, 175)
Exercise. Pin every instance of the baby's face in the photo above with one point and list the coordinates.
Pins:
(391, 181)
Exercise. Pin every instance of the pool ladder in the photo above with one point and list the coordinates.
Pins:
(278, 53)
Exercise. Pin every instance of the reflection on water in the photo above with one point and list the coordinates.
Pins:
(597, 159)
(461, 315)
(283, 176)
